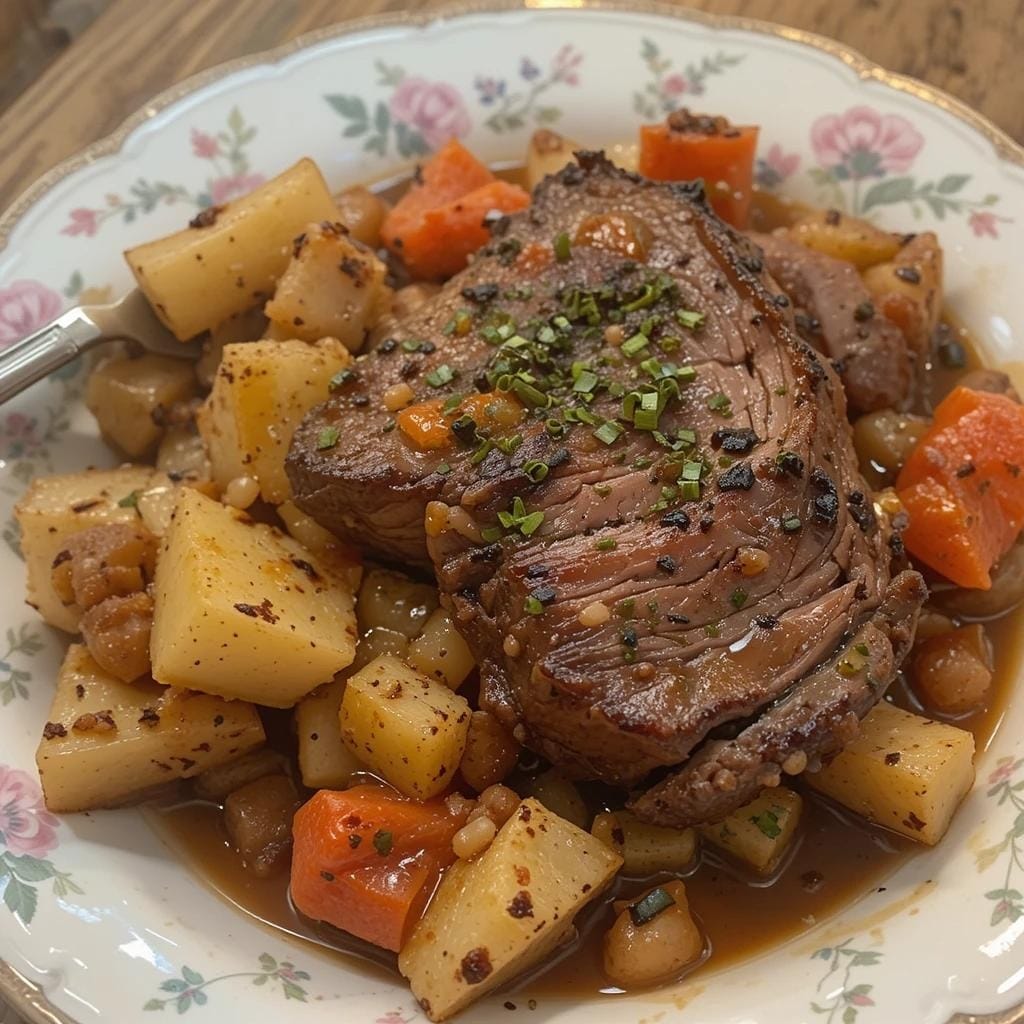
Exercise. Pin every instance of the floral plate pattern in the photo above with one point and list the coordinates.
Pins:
(88, 899)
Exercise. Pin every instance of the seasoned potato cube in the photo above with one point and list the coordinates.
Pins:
(405, 726)
(128, 396)
(242, 327)
(498, 915)
(231, 256)
(759, 833)
(343, 559)
(845, 238)
(645, 849)
(182, 456)
(324, 760)
(107, 741)
(396, 602)
(440, 652)
(55, 507)
(547, 153)
(332, 288)
(258, 820)
(261, 392)
(903, 771)
(243, 611)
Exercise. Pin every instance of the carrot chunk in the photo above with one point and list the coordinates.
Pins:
(687, 146)
(439, 222)
(367, 861)
(963, 487)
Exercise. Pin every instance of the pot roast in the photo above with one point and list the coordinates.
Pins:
(670, 569)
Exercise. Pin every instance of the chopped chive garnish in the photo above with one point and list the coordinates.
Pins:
(688, 437)
(690, 319)
(712, 629)
(624, 609)
(791, 524)
(389, 425)
(491, 534)
(556, 428)
(563, 250)
(440, 376)
(444, 469)
(383, 842)
(451, 405)
(328, 438)
(536, 470)
(530, 395)
(631, 346)
(609, 432)
(529, 524)
(130, 500)
(689, 490)
(602, 490)
(768, 823)
(586, 381)
(532, 606)
(686, 374)
(607, 544)
(720, 402)
(862, 649)
(691, 471)
(411, 344)
(738, 598)
(654, 903)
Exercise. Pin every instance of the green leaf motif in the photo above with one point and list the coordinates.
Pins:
(154, 1004)
(350, 107)
(850, 1015)
(866, 959)
(382, 119)
(20, 899)
(192, 977)
(29, 869)
(74, 285)
(173, 985)
(894, 190)
(183, 1002)
(260, 979)
(267, 962)
(293, 991)
(825, 953)
(952, 183)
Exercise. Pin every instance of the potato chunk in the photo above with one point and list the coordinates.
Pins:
(903, 771)
(405, 726)
(129, 396)
(440, 652)
(261, 392)
(107, 741)
(332, 288)
(845, 238)
(391, 600)
(498, 915)
(325, 762)
(55, 507)
(244, 611)
(760, 833)
(231, 256)
(645, 849)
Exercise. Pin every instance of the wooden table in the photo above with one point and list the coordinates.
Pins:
(136, 48)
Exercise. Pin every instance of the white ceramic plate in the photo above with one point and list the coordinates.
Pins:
(97, 919)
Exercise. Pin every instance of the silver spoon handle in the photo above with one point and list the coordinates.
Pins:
(45, 351)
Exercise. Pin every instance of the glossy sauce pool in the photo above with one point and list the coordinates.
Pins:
(836, 859)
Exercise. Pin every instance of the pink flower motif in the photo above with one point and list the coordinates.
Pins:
(862, 143)
(204, 145)
(563, 68)
(27, 828)
(83, 222)
(233, 185)
(434, 109)
(984, 223)
(674, 85)
(392, 1017)
(782, 163)
(859, 999)
(24, 307)
(1005, 768)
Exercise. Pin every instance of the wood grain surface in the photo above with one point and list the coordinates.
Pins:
(136, 48)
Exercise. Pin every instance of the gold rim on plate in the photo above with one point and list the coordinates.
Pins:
(25, 996)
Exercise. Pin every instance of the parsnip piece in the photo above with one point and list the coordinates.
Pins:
(498, 915)
(197, 278)
(107, 741)
(261, 392)
(759, 833)
(244, 611)
(410, 729)
(903, 771)
(54, 507)
(645, 849)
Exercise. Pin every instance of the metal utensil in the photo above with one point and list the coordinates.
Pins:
(81, 329)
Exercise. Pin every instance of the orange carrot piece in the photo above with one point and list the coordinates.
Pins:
(428, 427)
(449, 174)
(963, 486)
(442, 239)
(367, 861)
(724, 160)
